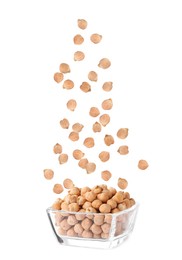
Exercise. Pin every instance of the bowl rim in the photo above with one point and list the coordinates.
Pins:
(134, 207)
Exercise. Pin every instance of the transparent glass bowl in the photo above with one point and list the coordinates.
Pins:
(94, 230)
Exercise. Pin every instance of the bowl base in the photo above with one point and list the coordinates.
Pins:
(93, 243)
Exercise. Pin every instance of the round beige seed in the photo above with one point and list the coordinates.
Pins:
(104, 63)
(82, 163)
(86, 223)
(96, 127)
(78, 154)
(123, 150)
(78, 228)
(92, 76)
(106, 228)
(122, 133)
(72, 220)
(105, 208)
(107, 86)
(118, 197)
(63, 158)
(98, 219)
(90, 167)
(95, 38)
(96, 203)
(64, 224)
(64, 123)
(143, 164)
(71, 232)
(106, 175)
(108, 139)
(57, 149)
(87, 234)
(68, 184)
(78, 56)
(48, 174)
(58, 188)
(96, 229)
(89, 142)
(77, 127)
(74, 136)
(68, 84)
(90, 196)
(78, 39)
(104, 119)
(85, 87)
(58, 77)
(94, 112)
(73, 207)
(71, 104)
(107, 104)
(74, 191)
(64, 68)
(84, 190)
(82, 23)
(104, 156)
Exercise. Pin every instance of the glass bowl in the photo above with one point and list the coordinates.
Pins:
(94, 230)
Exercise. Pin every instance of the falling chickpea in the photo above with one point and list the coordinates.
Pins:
(107, 86)
(108, 140)
(90, 167)
(57, 149)
(68, 84)
(78, 39)
(104, 156)
(89, 142)
(79, 56)
(64, 123)
(64, 68)
(96, 127)
(48, 174)
(58, 77)
(94, 112)
(78, 154)
(58, 188)
(123, 150)
(85, 87)
(83, 162)
(68, 183)
(104, 63)
(106, 175)
(104, 119)
(77, 127)
(143, 165)
(82, 24)
(71, 104)
(92, 76)
(95, 38)
(122, 133)
(63, 158)
(74, 136)
(107, 104)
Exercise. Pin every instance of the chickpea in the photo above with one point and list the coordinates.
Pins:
(91, 209)
(81, 200)
(112, 203)
(74, 207)
(86, 205)
(98, 219)
(106, 228)
(96, 203)
(103, 197)
(61, 231)
(104, 235)
(122, 206)
(64, 225)
(143, 165)
(96, 229)
(116, 210)
(57, 204)
(57, 149)
(108, 219)
(48, 174)
(64, 206)
(87, 234)
(105, 208)
(68, 183)
(118, 197)
(84, 190)
(74, 191)
(97, 189)
(78, 228)
(72, 220)
(58, 188)
(112, 190)
(86, 223)
(90, 196)
(71, 232)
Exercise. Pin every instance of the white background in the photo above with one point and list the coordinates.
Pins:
(143, 40)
